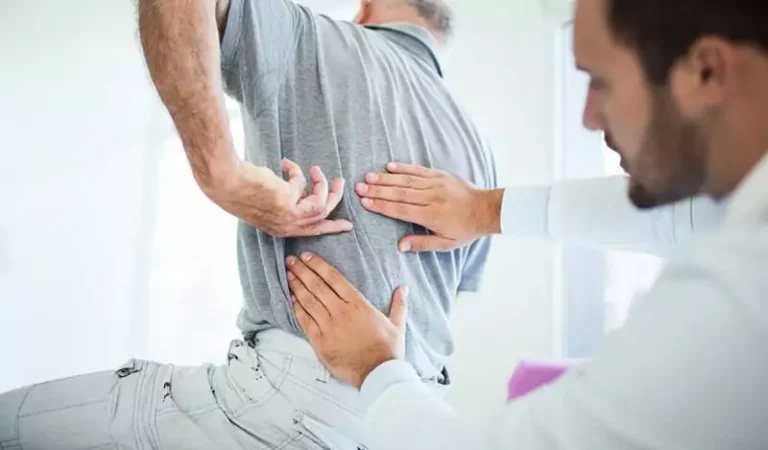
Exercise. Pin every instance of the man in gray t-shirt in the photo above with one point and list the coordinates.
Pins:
(349, 99)
(345, 97)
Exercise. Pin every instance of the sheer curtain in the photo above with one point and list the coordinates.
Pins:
(195, 291)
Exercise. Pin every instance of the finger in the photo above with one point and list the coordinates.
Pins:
(316, 285)
(314, 307)
(409, 213)
(313, 206)
(413, 169)
(332, 277)
(295, 175)
(427, 244)
(306, 322)
(335, 195)
(394, 194)
(399, 180)
(319, 185)
(321, 228)
(398, 311)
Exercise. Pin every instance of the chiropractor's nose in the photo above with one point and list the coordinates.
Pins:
(593, 117)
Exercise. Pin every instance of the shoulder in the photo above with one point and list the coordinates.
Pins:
(732, 261)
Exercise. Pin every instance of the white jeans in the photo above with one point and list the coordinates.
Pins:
(272, 394)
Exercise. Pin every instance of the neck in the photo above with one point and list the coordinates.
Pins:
(397, 12)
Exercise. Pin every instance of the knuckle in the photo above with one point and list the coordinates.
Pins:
(315, 286)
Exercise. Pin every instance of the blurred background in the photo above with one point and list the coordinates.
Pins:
(108, 250)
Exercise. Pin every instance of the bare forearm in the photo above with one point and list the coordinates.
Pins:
(181, 45)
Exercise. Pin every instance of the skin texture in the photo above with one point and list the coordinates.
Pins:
(331, 312)
(456, 211)
(702, 131)
(181, 45)
(376, 12)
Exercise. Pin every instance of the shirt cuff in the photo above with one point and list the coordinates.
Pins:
(525, 211)
(384, 377)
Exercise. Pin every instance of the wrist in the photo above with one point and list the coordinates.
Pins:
(366, 372)
(488, 214)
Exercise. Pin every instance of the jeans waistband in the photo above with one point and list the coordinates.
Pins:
(277, 339)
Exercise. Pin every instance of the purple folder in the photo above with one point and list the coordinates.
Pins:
(531, 375)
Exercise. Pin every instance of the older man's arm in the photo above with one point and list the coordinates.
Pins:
(181, 41)
(593, 212)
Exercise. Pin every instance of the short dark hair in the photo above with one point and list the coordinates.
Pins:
(437, 13)
(663, 31)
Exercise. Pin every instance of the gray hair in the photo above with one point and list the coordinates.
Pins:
(437, 13)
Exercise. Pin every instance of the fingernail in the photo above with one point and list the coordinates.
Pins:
(367, 202)
(362, 188)
(306, 256)
(405, 247)
(290, 261)
(372, 177)
(391, 166)
(348, 226)
(405, 291)
(291, 276)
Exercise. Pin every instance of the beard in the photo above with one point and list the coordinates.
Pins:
(670, 165)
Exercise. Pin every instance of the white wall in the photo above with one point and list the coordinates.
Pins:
(501, 65)
(75, 109)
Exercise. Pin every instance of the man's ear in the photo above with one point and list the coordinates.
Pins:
(363, 15)
(702, 79)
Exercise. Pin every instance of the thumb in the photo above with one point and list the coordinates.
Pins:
(398, 312)
(427, 244)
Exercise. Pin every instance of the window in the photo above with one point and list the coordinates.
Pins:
(596, 288)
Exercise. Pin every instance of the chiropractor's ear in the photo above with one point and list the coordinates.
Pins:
(363, 15)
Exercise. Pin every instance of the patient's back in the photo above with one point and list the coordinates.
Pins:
(350, 99)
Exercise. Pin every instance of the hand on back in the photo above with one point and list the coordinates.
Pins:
(453, 209)
(281, 208)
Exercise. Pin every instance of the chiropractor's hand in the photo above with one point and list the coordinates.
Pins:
(281, 208)
(349, 335)
(455, 210)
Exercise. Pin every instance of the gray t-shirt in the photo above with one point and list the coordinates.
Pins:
(350, 99)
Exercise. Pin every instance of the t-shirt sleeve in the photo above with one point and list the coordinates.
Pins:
(260, 39)
(476, 258)
(474, 265)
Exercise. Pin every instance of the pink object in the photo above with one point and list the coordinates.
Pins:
(531, 375)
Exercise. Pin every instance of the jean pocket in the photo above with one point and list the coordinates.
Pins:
(250, 379)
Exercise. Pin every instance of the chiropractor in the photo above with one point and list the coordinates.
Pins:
(686, 99)
(594, 212)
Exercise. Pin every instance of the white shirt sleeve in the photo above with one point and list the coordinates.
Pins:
(596, 212)
(686, 371)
